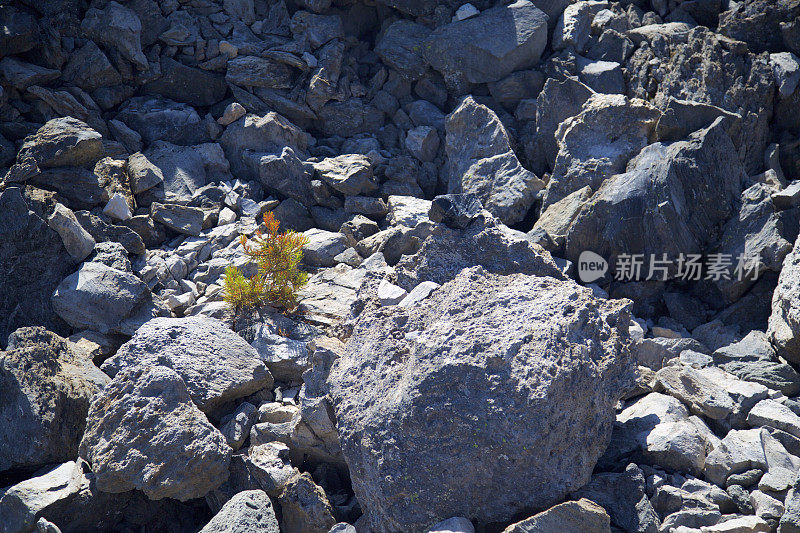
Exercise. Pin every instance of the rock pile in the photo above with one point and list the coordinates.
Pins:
(552, 252)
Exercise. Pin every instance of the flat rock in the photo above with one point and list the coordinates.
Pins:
(582, 515)
(215, 363)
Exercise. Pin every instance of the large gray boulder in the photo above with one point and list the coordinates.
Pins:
(673, 199)
(117, 27)
(60, 142)
(700, 67)
(490, 46)
(267, 133)
(216, 364)
(161, 119)
(98, 297)
(185, 169)
(558, 101)
(480, 161)
(143, 432)
(784, 322)
(47, 386)
(401, 47)
(471, 402)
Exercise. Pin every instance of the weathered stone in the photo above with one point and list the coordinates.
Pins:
(60, 142)
(47, 388)
(349, 174)
(98, 297)
(364, 404)
(738, 82)
(447, 251)
(743, 450)
(249, 511)
(268, 133)
(216, 364)
(305, 507)
(89, 68)
(624, 499)
(784, 322)
(598, 143)
(119, 27)
(252, 71)
(160, 119)
(485, 165)
(179, 218)
(22, 75)
(183, 83)
(700, 393)
(490, 46)
(185, 169)
(401, 47)
(322, 247)
(77, 241)
(143, 432)
(702, 171)
(573, 28)
(581, 515)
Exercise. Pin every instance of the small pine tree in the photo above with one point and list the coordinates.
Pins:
(279, 277)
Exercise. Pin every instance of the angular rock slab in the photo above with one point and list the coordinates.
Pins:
(98, 297)
(216, 364)
(480, 161)
(46, 389)
(470, 403)
(143, 432)
(490, 46)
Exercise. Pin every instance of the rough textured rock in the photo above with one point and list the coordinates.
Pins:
(216, 364)
(583, 515)
(655, 207)
(270, 132)
(305, 507)
(485, 165)
(98, 297)
(143, 432)
(446, 251)
(117, 27)
(598, 143)
(784, 322)
(490, 46)
(248, 511)
(47, 386)
(381, 409)
(738, 82)
(60, 142)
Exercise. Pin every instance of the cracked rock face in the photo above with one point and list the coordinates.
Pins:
(521, 365)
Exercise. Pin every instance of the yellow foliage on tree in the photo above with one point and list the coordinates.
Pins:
(279, 277)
